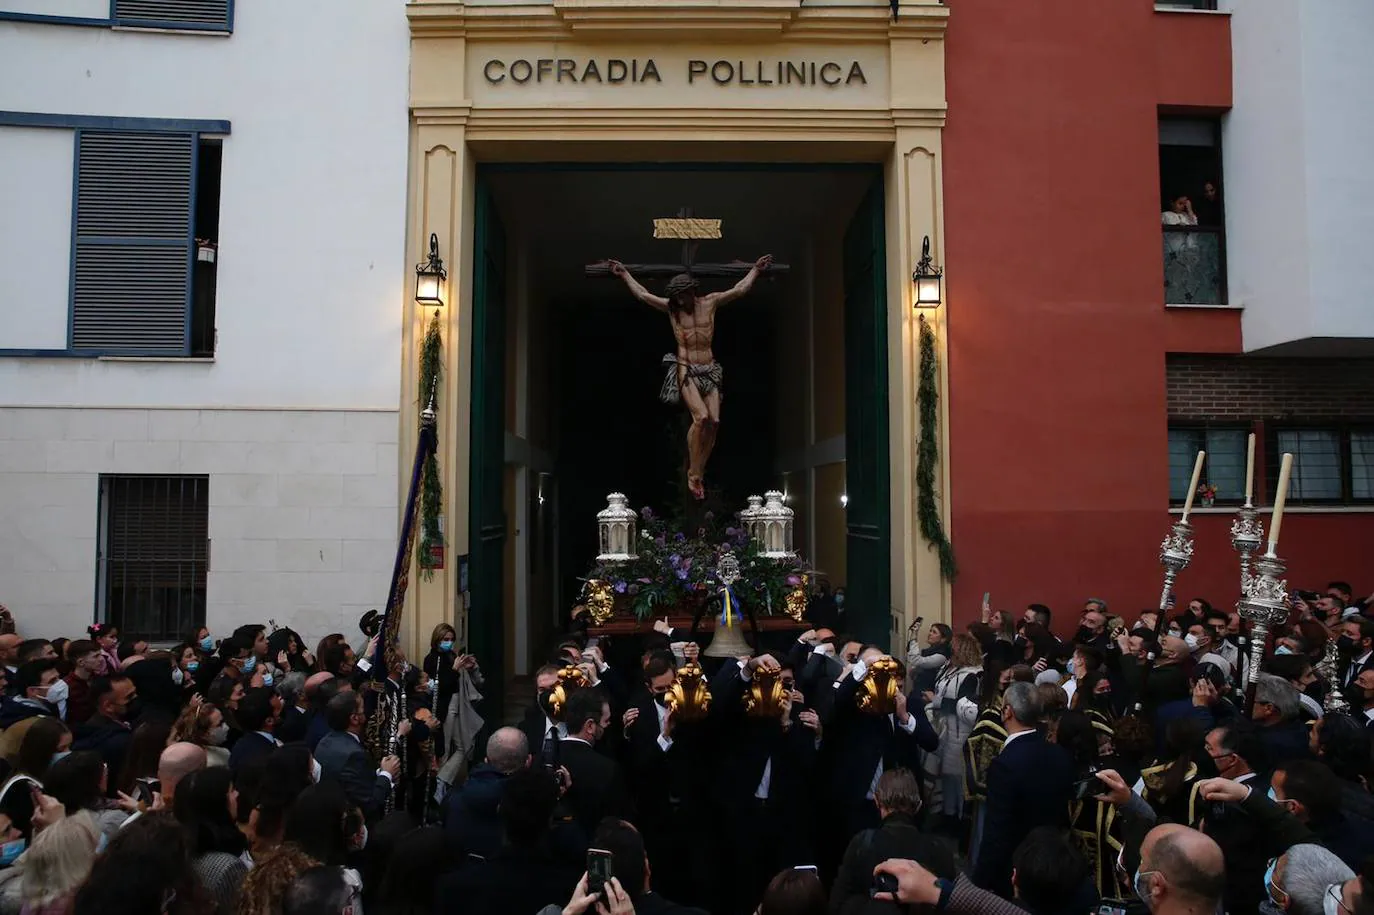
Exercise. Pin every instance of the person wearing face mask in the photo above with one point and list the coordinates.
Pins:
(1312, 794)
(1182, 872)
(439, 664)
(598, 787)
(541, 730)
(33, 684)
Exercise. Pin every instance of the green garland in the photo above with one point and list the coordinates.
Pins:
(431, 539)
(928, 455)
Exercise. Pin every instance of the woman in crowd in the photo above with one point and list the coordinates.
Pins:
(265, 798)
(204, 807)
(958, 679)
(441, 664)
(187, 660)
(285, 642)
(266, 884)
(148, 741)
(146, 870)
(1170, 786)
(80, 782)
(204, 726)
(106, 635)
(985, 742)
(47, 741)
(326, 646)
(59, 862)
(225, 695)
(926, 663)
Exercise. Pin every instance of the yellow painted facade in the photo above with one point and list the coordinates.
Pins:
(673, 80)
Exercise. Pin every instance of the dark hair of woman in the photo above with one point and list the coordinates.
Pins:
(327, 643)
(1078, 737)
(249, 782)
(59, 646)
(794, 892)
(75, 781)
(202, 808)
(1181, 741)
(316, 823)
(146, 869)
(146, 744)
(218, 695)
(990, 684)
(417, 860)
(40, 743)
(1087, 698)
(1134, 739)
(285, 775)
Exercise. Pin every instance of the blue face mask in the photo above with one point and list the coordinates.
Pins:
(12, 850)
(446, 645)
(59, 756)
(207, 644)
(266, 679)
(1283, 649)
(839, 600)
(102, 843)
(192, 666)
(1273, 797)
(249, 664)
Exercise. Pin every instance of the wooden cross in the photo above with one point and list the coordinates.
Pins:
(691, 230)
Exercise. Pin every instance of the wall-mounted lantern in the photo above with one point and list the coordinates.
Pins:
(430, 276)
(927, 279)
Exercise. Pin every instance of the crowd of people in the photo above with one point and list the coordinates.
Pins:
(998, 769)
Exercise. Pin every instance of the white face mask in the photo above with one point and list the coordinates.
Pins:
(57, 695)
(219, 734)
(1192, 641)
(316, 770)
(1332, 903)
(177, 676)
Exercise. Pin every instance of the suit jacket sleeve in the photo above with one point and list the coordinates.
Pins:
(994, 856)
(967, 899)
(924, 735)
(363, 786)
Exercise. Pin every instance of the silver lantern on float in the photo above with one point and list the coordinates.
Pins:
(616, 530)
(749, 520)
(774, 521)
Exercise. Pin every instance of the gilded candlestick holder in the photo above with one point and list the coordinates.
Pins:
(1265, 604)
(1247, 533)
(1175, 553)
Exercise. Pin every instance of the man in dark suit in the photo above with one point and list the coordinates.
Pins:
(295, 708)
(472, 822)
(524, 875)
(1030, 784)
(1278, 712)
(863, 746)
(630, 865)
(1357, 649)
(542, 732)
(342, 757)
(258, 713)
(598, 788)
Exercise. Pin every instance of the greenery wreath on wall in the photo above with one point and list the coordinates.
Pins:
(928, 455)
(431, 539)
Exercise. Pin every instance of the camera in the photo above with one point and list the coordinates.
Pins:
(883, 883)
(145, 788)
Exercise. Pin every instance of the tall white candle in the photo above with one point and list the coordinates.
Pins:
(1279, 499)
(1192, 486)
(1250, 471)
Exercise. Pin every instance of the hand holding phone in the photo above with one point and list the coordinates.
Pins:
(599, 869)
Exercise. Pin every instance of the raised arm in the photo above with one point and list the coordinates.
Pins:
(742, 287)
(636, 288)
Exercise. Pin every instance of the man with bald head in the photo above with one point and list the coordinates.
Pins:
(1182, 872)
(472, 823)
(176, 762)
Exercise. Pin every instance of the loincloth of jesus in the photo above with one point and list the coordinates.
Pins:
(706, 376)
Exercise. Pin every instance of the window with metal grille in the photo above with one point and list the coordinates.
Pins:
(1224, 466)
(154, 553)
(1331, 465)
(214, 15)
(141, 281)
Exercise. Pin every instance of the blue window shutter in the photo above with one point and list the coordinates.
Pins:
(173, 13)
(133, 241)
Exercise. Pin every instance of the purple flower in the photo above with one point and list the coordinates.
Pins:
(620, 587)
(682, 574)
(674, 559)
(679, 537)
(794, 580)
(646, 581)
(646, 513)
(731, 531)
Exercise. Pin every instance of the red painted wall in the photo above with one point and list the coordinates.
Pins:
(1318, 548)
(1057, 331)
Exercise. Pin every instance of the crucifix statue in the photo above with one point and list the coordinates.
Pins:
(691, 376)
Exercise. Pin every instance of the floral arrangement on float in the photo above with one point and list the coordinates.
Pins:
(1207, 492)
(650, 566)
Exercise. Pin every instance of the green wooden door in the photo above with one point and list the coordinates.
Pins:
(487, 507)
(868, 515)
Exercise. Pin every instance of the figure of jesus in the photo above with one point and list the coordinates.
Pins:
(692, 374)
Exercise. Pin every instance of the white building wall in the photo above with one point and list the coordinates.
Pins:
(1299, 193)
(295, 420)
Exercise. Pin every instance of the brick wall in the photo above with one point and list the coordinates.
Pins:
(1240, 387)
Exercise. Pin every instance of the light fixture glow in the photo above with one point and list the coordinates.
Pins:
(844, 500)
(430, 276)
(927, 277)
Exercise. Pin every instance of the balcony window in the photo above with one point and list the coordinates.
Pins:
(1192, 213)
(1185, 4)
